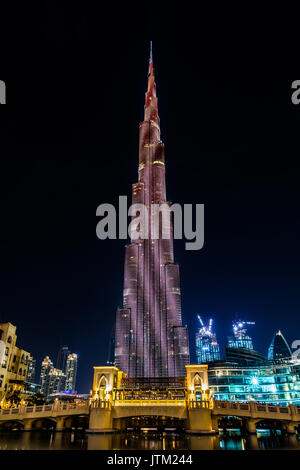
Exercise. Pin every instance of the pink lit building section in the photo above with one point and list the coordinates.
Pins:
(150, 339)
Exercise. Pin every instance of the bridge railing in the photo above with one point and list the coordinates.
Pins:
(42, 408)
(259, 407)
(101, 404)
(150, 403)
(231, 405)
(200, 404)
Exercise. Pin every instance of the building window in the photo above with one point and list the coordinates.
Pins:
(9, 340)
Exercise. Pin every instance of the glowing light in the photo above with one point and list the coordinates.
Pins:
(254, 381)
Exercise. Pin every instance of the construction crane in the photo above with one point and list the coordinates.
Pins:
(206, 329)
(239, 329)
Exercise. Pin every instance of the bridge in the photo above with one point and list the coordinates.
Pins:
(253, 413)
(202, 412)
(117, 399)
(58, 415)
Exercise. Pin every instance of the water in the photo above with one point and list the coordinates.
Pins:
(44, 440)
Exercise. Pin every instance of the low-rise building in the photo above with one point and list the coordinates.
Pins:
(277, 382)
(13, 362)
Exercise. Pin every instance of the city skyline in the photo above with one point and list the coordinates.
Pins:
(220, 152)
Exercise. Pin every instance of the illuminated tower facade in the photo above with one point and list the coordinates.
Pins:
(150, 339)
(207, 347)
(71, 372)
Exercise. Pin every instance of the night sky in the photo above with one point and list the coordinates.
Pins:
(76, 79)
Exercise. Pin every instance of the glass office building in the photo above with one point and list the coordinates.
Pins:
(277, 382)
(279, 349)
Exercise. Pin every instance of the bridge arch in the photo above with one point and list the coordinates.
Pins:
(10, 425)
(197, 381)
(102, 382)
(76, 421)
(138, 411)
(160, 423)
(229, 422)
(197, 385)
(43, 424)
(275, 424)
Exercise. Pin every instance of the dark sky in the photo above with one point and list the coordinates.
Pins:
(76, 79)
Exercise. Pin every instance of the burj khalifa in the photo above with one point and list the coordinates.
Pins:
(150, 340)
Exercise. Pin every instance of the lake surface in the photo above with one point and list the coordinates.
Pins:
(44, 440)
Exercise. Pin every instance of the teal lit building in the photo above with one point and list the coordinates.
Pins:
(247, 375)
(276, 383)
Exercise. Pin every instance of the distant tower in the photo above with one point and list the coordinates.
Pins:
(207, 347)
(62, 358)
(52, 380)
(31, 370)
(111, 347)
(279, 348)
(240, 339)
(46, 366)
(71, 372)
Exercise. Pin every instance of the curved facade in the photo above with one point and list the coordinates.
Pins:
(277, 383)
(279, 348)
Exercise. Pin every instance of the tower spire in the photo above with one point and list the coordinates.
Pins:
(151, 71)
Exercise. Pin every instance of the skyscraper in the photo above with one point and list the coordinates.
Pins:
(207, 347)
(71, 372)
(62, 358)
(31, 370)
(150, 338)
(52, 380)
(279, 348)
(111, 347)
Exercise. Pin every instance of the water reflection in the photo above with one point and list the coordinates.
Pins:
(232, 440)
